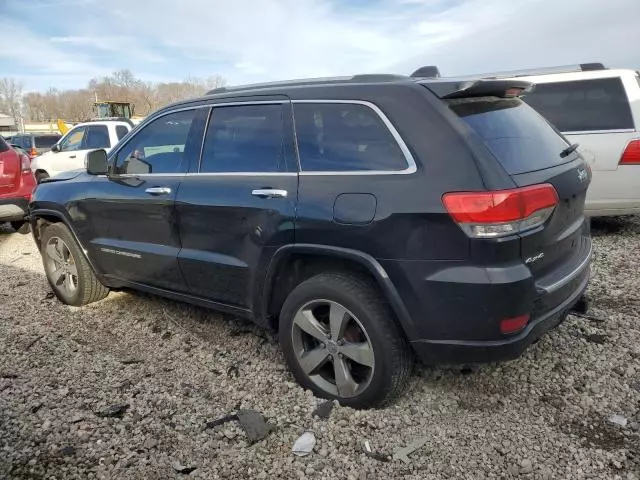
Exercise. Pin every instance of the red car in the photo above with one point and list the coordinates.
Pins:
(16, 186)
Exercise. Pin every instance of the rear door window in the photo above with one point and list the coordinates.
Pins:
(46, 141)
(97, 136)
(339, 137)
(121, 131)
(521, 139)
(586, 105)
(245, 138)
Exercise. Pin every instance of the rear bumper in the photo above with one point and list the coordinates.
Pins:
(614, 192)
(471, 352)
(13, 209)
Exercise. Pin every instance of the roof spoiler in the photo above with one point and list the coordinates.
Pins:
(428, 71)
(583, 67)
(450, 89)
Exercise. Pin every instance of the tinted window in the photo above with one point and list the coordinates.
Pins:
(121, 131)
(338, 137)
(22, 141)
(97, 136)
(599, 104)
(244, 139)
(73, 140)
(158, 147)
(3, 145)
(46, 141)
(521, 140)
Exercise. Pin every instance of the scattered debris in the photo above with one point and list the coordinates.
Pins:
(21, 284)
(116, 411)
(49, 296)
(323, 410)
(67, 451)
(597, 338)
(166, 335)
(233, 371)
(76, 418)
(131, 360)
(185, 470)
(33, 342)
(403, 453)
(253, 425)
(618, 420)
(587, 317)
(526, 466)
(221, 421)
(36, 407)
(9, 375)
(149, 443)
(304, 444)
(370, 453)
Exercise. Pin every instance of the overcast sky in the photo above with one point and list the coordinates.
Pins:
(64, 43)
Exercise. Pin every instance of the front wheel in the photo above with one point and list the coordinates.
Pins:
(68, 271)
(342, 342)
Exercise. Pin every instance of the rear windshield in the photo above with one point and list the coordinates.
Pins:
(521, 140)
(46, 141)
(585, 105)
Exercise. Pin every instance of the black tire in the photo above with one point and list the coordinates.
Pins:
(393, 359)
(21, 226)
(88, 288)
(41, 176)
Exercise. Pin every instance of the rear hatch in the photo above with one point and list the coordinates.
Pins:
(10, 170)
(533, 154)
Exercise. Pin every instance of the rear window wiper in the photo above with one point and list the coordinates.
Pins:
(569, 150)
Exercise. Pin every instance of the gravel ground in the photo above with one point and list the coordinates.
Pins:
(546, 415)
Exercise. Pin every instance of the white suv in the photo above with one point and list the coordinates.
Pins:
(599, 109)
(71, 150)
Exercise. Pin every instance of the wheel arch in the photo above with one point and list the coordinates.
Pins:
(292, 264)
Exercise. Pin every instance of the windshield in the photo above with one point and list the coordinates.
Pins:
(520, 138)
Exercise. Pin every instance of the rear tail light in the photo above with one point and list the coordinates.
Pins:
(631, 155)
(513, 325)
(25, 164)
(502, 212)
(33, 153)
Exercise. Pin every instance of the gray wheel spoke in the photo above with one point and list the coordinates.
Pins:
(361, 353)
(312, 360)
(58, 276)
(344, 381)
(338, 318)
(73, 269)
(308, 323)
(54, 253)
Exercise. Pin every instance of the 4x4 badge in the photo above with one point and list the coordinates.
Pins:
(582, 175)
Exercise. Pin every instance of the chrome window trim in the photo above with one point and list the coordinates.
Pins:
(411, 163)
(596, 132)
(206, 174)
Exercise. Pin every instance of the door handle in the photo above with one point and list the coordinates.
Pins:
(72, 156)
(158, 190)
(269, 193)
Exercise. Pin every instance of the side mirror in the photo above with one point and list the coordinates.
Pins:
(97, 162)
(55, 148)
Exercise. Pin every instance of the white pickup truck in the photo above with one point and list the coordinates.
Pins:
(71, 150)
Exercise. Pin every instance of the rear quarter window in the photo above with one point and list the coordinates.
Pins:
(521, 139)
(121, 131)
(46, 141)
(585, 105)
(339, 137)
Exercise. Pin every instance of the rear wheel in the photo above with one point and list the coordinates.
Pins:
(68, 272)
(20, 226)
(40, 175)
(342, 342)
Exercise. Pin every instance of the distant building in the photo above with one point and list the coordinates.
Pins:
(7, 124)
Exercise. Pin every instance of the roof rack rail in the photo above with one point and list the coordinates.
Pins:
(369, 77)
(583, 67)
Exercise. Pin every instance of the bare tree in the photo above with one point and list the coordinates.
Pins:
(11, 96)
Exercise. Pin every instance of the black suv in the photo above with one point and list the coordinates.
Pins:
(368, 219)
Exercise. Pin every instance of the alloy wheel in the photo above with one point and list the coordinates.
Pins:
(61, 266)
(332, 348)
